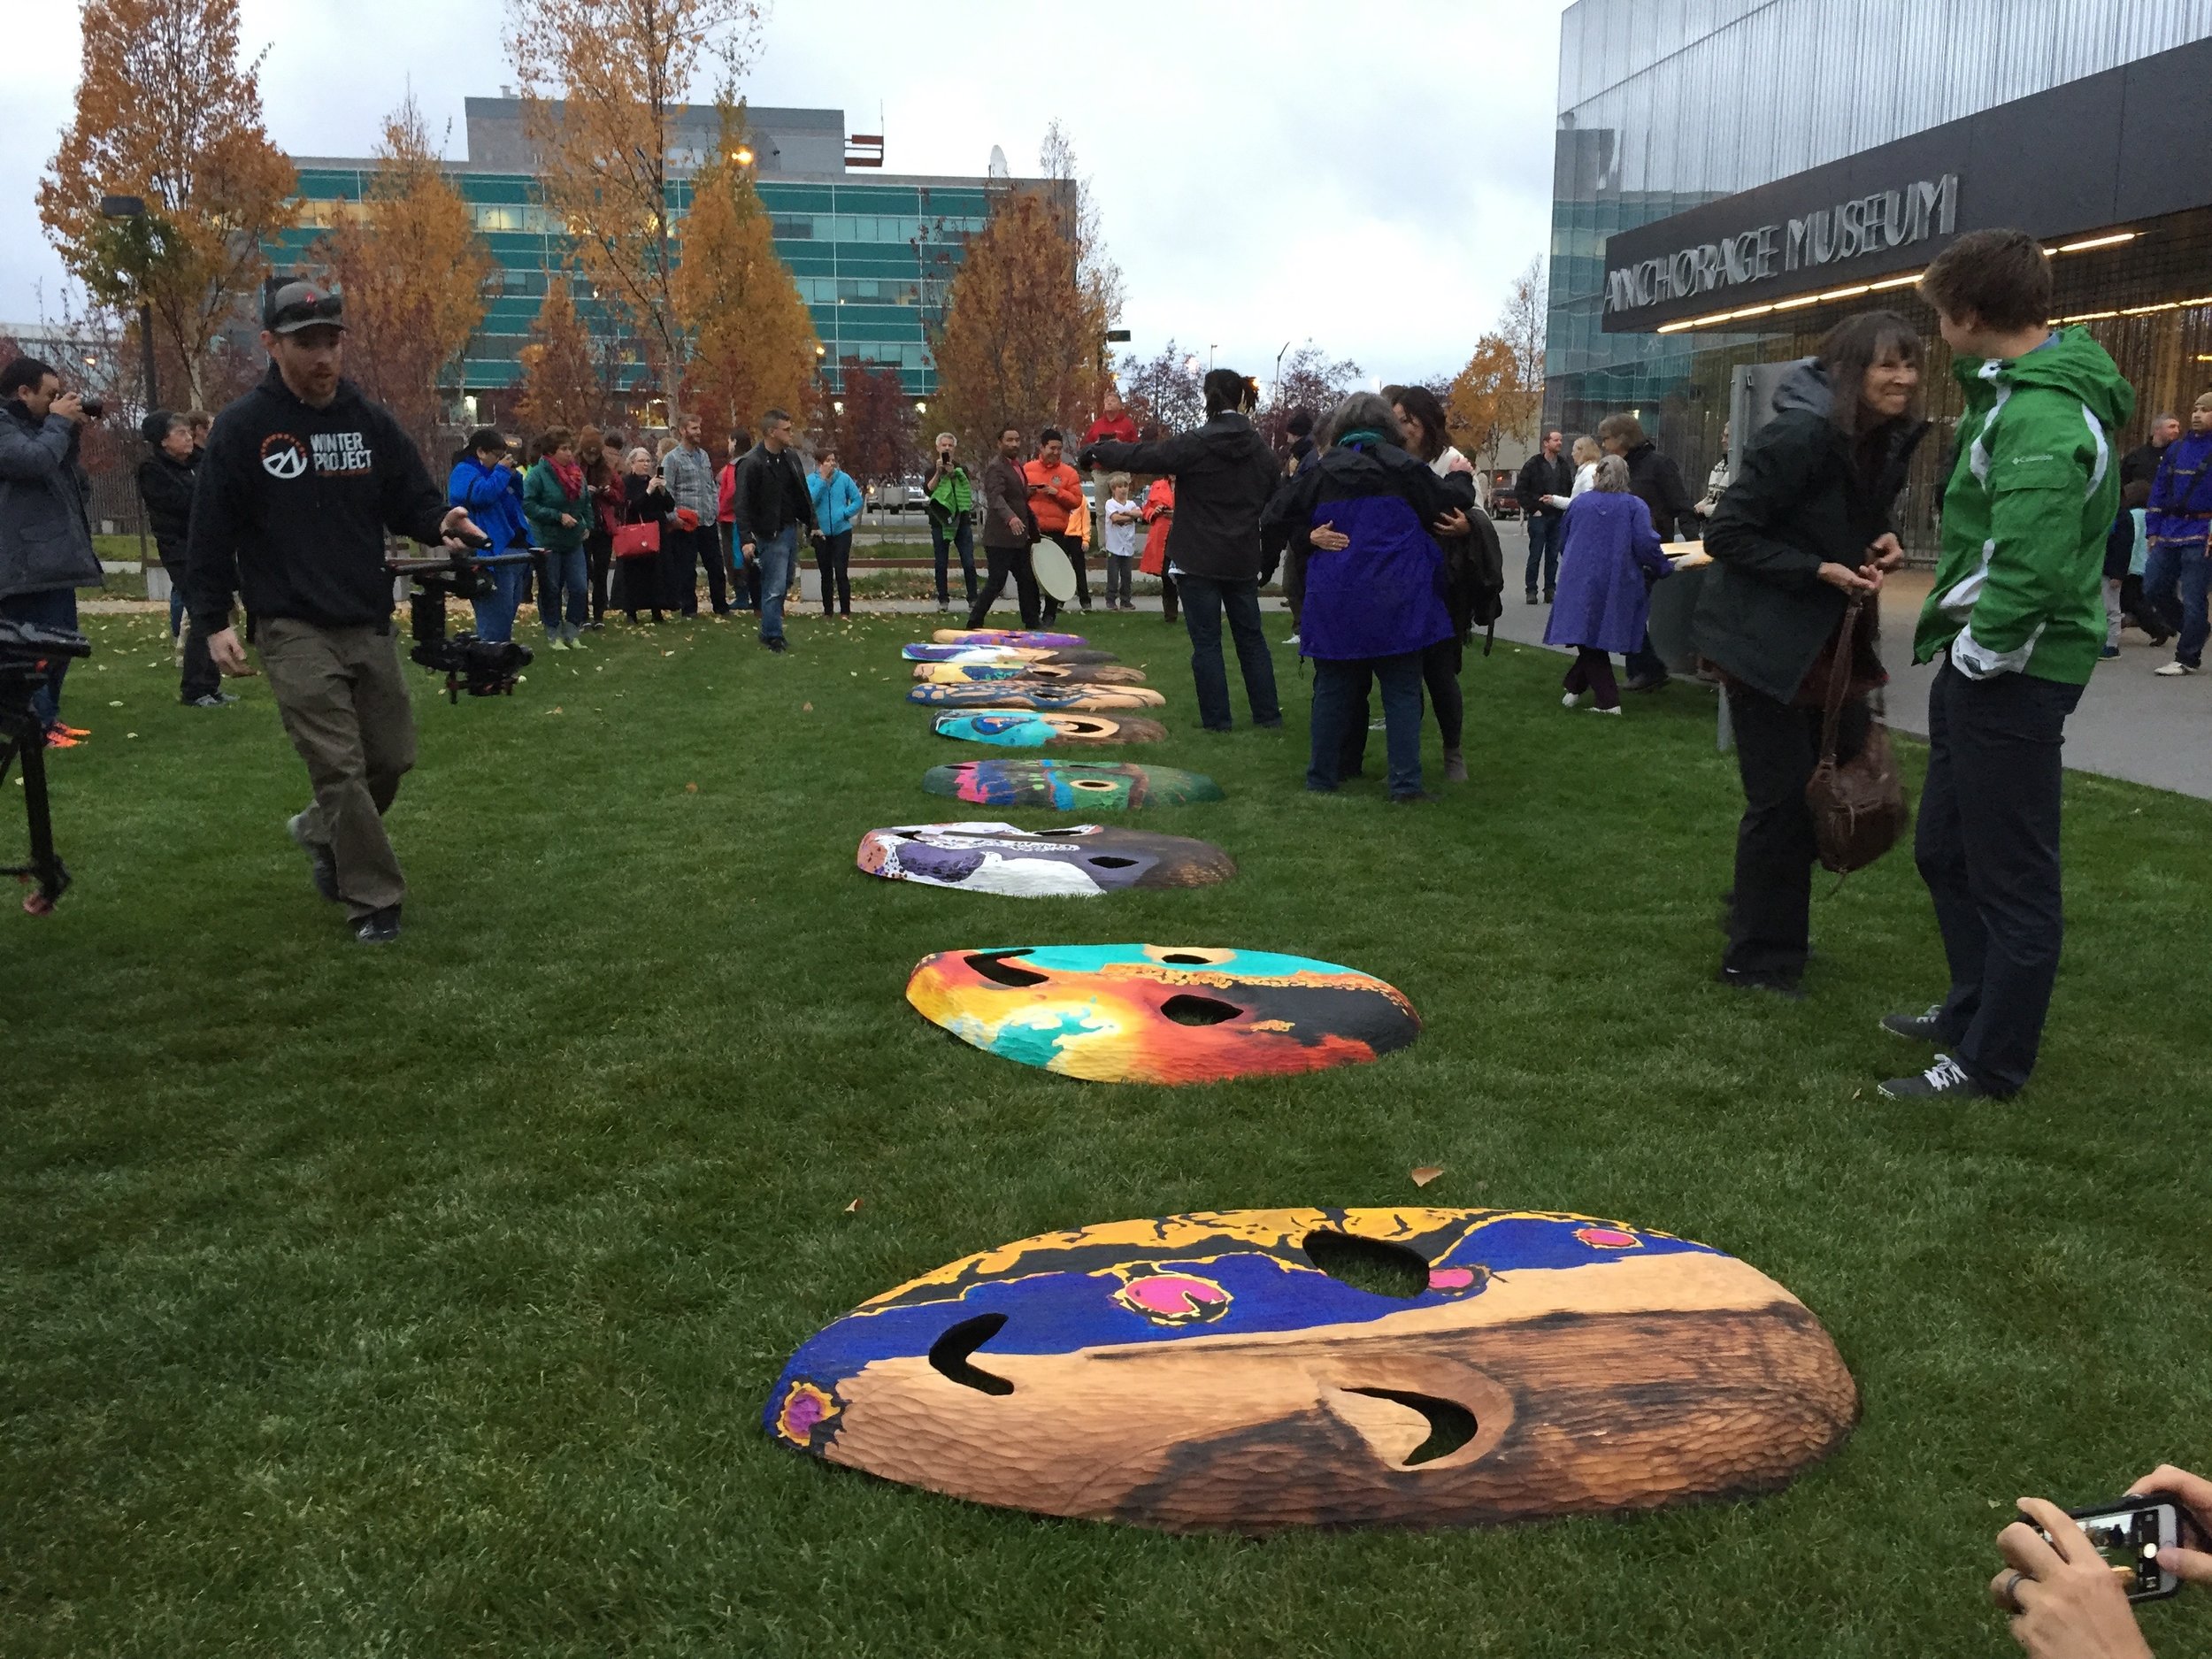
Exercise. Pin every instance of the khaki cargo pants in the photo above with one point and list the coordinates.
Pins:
(345, 706)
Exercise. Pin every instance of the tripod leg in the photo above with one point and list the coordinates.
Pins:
(52, 879)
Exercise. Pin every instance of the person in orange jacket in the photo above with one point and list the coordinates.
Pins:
(1159, 512)
(1055, 490)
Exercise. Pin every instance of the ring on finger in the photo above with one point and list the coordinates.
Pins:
(2013, 1581)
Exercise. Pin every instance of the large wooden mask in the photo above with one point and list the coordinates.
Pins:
(1205, 1372)
(1162, 1013)
(1019, 637)
(1023, 728)
(1072, 785)
(1081, 860)
(1035, 693)
(1083, 673)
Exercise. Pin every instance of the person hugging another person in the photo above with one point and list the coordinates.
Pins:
(1122, 517)
(1608, 549)
(1375, 603)
(836, 500)
(557, 504)
(486, 486)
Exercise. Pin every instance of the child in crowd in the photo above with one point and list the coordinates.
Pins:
(1122, 516)
(2125, 550)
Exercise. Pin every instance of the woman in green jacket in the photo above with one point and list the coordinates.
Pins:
(948, 501)
(558, 507)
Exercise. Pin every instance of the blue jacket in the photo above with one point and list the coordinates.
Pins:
(2181, 496)
(836, 501)
(1609, 544)
(493, 495)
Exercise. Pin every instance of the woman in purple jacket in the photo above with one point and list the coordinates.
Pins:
(1608, 548)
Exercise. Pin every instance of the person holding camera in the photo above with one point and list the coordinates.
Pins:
(45, 534)
(2063, 1597)
(303, 479)
(948, 501)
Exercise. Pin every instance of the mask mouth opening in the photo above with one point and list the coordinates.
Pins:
(949, 1355)
(996, 966)
(1451, 1425)
(1109, 861)
(1368, 1264)
(1186, 1009)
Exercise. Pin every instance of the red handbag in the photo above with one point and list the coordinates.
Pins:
(638, 541)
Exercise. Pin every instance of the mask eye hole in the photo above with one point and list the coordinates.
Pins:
(1108, 861)
(948, 1353)
(1186, 1009)
(1368, 1264)
(1187, 958)
(1091, 783)
(1451, 1425)
(995, 966)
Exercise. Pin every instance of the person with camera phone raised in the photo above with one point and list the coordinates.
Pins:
(2071, 1576)
(303, 478)
(45, 534)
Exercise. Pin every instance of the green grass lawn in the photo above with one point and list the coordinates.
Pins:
(423, 1300)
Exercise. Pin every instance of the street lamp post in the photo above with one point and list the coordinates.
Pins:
(133, 207)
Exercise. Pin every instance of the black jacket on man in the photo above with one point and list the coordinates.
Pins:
(165, 485)
(1803, 498)
(1658, 481)
(2138, 465)
(1223, 473)
(769, 493)
(1540, 476)
(292, 505)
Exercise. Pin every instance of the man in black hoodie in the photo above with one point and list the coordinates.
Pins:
(302, 479)
(166, 480)
(1657, 481)
(1224, 475)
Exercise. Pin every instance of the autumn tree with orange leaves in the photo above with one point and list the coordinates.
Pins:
(412, 271)
(561, 385)
(752, 338)
(165, 111)
(603, 85)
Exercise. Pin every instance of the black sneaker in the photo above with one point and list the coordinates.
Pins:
(1916, 1027)
(1780, 984)
(378, 927)
(1532, 598)
(322, 861)
(210, 699)
(1647, 682)
(776, 645)
(1946, 1079)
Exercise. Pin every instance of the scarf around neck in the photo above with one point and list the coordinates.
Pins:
(571, 477)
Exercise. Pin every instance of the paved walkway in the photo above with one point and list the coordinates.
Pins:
(2131, 724)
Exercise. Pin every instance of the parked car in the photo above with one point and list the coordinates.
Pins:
(1503, 502)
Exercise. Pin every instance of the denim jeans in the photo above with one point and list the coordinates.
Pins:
(1119, 568)
(563, 588)
(944, 543)
(176, 601)
(1988, 845)
(2187, 571)
(1340, 703)
(1206, 600)
(495, 611)
(1543, 551)
(49, 608)
(776, 554)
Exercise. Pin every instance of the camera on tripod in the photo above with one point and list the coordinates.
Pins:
(26, 654)
(483, 668)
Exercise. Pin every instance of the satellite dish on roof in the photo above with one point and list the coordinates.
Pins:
(998, 169)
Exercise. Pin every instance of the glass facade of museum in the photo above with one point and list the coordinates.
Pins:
(1669, 106)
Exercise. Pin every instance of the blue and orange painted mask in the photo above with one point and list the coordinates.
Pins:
(1217, 1372)
(1070, 786)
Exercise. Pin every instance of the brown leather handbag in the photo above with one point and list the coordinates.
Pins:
(1859, 806)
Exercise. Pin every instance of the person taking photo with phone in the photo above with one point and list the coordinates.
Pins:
(45, 535)
(303, 478)
(2063, 1597)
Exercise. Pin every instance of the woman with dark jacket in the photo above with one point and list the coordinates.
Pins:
(1802, 530)
(641, 582)
(166, 478)
(1373, 606)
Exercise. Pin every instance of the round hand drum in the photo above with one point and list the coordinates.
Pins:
(1054, 575)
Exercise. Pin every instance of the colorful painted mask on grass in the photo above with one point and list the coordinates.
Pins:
(1160, 1013)
(1080, 861)
(1005, 654)
(1070, 785)
(1036, 693)
(1219, 1372)
(1018, 637)
(1048, 674)
(1015, 728)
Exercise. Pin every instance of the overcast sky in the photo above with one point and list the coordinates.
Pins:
(1268, 171)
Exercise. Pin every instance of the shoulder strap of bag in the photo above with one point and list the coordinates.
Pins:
(1838, 682)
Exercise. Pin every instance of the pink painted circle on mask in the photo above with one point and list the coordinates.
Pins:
(1606, 1238)
(1450, 1278)
(1174, 1298)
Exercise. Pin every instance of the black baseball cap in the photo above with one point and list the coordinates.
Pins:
(298, 305)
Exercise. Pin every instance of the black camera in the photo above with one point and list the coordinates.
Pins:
(26, 656)
(483, 668)
(93, 407)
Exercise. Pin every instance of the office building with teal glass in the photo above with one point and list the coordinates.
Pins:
(871, 251)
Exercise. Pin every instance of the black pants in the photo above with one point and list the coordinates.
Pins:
(1003, 562)
(744, 576)
(684, 550)
(1777, 745)
(1073, 549)
(1988, 847)
(834, 557)
(1645, 664)
(1206, 602)
(1119, 570)
(1439, 678)
(1591, 670)
(598, 556)
(1170, 599)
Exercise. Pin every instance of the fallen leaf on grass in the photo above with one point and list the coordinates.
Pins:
(806, 708)
(691, 788)
(668, 653)
(851, 1207)
(1427, 1173)
(556, 708)
(115, 703)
